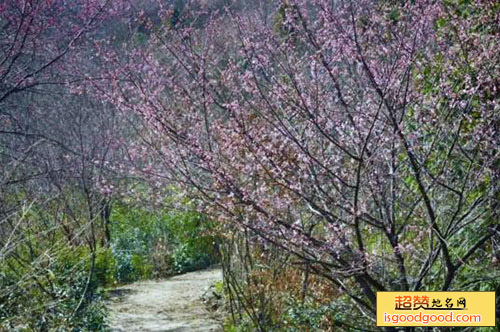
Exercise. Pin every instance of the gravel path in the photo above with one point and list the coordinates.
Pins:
(166, 305)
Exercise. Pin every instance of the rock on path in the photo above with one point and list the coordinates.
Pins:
(168, 305)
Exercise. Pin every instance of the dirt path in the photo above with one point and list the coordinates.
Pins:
(167, 305)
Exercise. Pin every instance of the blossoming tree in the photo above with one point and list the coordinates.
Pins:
(361, 136)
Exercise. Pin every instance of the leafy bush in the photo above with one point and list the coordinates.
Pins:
(55, 293)
(105, 268)
(191, 235)
(134, 233)
(131, 267)
(186, 260)
(315, 316)
(148, 244)
(306, 314)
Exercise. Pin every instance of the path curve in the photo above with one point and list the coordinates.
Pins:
(172, 305)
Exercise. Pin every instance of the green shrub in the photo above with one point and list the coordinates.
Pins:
(186, 259)
(125, 271)
(300, 315)
(105, 269)
(192, 235)
(142, 266)
(44, 295)
(313, 316)
(148, 244)
(134, 232)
